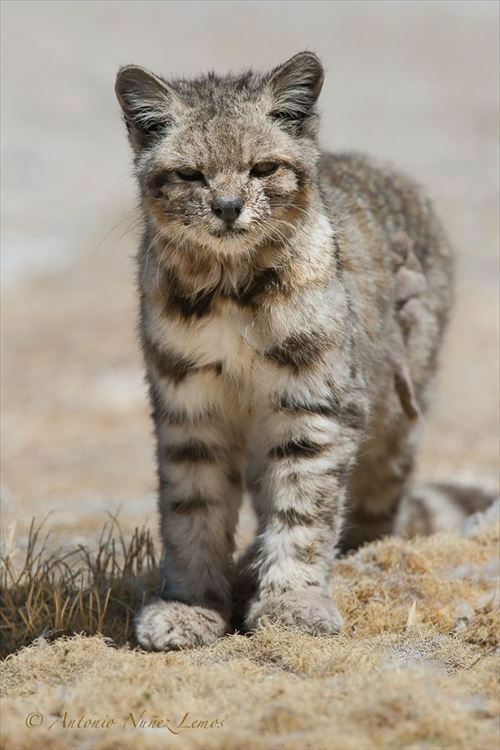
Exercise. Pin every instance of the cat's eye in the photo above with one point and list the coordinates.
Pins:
(263, 169)
(190, 175)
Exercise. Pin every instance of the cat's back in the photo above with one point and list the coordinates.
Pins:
(354, 182)
(386, 203)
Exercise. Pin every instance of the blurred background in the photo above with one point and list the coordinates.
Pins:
(415, 83)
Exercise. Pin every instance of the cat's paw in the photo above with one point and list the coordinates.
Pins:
(311, 611)
(170, 625)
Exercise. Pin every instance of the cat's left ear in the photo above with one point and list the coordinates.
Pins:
(295, 88)
(148, 103)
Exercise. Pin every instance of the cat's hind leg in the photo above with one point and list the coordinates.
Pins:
(384, 499)
(381, 479)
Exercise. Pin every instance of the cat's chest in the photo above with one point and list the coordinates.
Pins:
(231, 337)
(228, 338)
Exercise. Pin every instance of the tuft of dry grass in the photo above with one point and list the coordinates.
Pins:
(52, 594)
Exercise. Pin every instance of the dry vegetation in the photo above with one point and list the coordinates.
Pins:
(416, 666)
(79, 591)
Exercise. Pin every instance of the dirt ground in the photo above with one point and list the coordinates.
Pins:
(415, 83)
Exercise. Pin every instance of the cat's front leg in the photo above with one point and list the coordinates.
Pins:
(310, 449)
(200, 493)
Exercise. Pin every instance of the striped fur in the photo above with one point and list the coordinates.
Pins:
(285, 352)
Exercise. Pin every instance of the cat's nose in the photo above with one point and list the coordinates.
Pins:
(227, 207)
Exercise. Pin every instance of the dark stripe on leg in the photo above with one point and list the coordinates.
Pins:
(190, 505)
(195, 451)
(299, 350)
(320, 515)
(350, 415)
(301, 448)
(292, 406)
(292, 517)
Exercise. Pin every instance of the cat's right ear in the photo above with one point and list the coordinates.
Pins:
(148, 104)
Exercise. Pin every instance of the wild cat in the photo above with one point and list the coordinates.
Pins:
(292, 308)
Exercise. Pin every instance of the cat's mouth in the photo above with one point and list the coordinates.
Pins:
(227, 232)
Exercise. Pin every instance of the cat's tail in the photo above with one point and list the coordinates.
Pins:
(463, 503)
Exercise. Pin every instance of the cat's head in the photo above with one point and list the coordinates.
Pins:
(225, 163)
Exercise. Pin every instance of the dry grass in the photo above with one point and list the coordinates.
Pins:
(416, 666)
(78, 591)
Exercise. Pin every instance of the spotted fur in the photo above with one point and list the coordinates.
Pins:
(288, 353)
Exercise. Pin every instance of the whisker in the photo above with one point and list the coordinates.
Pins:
(177, 248)
(148, 249)
(135, 222)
